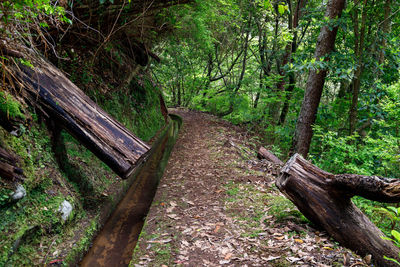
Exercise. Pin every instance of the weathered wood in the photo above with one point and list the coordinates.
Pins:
(8, 50)
(9, 172)
(8, 165)
(263, 153)
(51, 91)
(8, 156)
(324, 198)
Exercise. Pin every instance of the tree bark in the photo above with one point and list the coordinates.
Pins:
(325, 199)
(263, 153)
(8, 165)
(316, 80)
(52, 92)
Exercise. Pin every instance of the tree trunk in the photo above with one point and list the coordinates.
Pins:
(242, 72)
(49, 89)
(265, 60)
(385, 30)
(316, 80)
(179, 94)
(291, 51)
(289, 91)
(325, 199)
(356, 83)
(274, 106)
(163, 107)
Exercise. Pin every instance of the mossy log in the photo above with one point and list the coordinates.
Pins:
(47, 88)
(325, 199)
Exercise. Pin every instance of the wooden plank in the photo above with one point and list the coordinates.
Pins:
(48, 88)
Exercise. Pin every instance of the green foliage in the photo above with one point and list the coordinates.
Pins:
(394, 214)
(9, 106)
(27, 12)
(375, 153)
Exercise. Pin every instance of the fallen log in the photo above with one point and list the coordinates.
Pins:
(263, 153)
(325, 199)
(47, 88)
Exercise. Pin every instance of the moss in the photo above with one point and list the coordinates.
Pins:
(30, 229)
(9, 106)
(283, 209)
(83, 243)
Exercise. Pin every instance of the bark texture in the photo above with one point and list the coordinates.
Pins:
(263, 153)
(325, 199)
(50, 90)
(316, 80)
(9, 169)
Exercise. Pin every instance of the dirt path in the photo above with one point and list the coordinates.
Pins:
(217, 205)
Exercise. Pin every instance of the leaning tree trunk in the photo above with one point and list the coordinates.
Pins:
(325, 199)
(56, 96)
(316, 80)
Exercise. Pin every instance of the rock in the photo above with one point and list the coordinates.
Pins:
(19, 193)
(65, 209)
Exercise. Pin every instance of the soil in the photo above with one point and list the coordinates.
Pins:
(217, 205)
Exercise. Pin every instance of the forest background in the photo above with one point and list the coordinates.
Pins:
(248, 61)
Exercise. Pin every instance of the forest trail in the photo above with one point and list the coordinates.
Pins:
(217, 205)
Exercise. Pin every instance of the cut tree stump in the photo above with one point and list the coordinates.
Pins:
(51, 91)
(325, 199)
(263, 153)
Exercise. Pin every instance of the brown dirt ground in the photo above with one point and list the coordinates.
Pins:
(217, 205)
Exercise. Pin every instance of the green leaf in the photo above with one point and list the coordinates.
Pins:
(281, 9)
(267, 5)
(26, 63)
(387, 238)
(396, 235)
(391, 259)
(393, 209)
